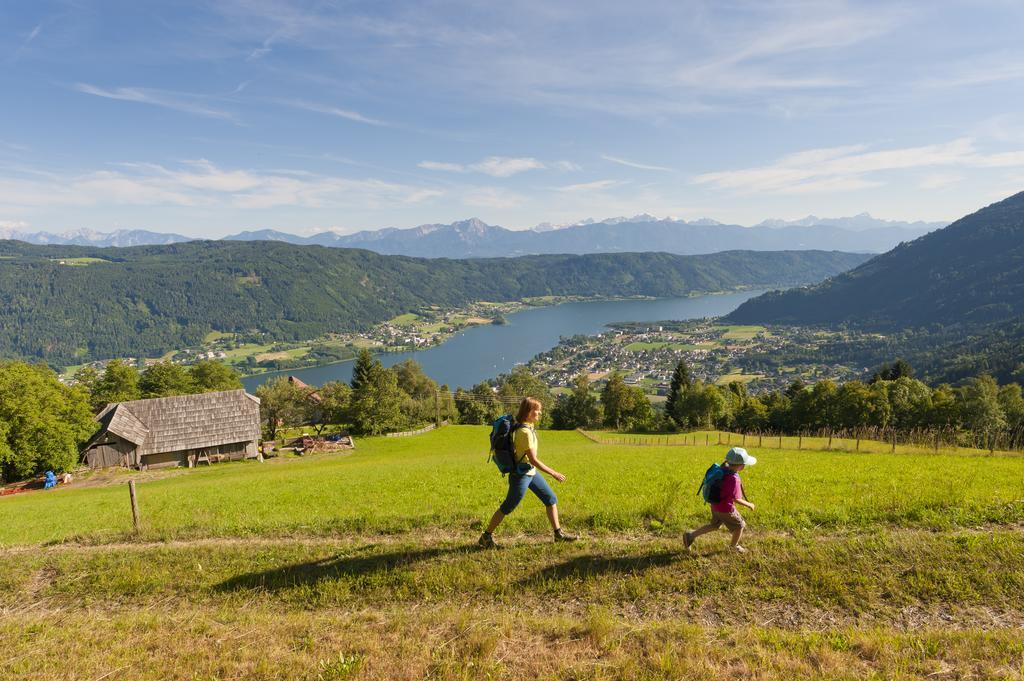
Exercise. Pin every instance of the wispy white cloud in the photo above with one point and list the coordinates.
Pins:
(438, 165)
(566, 166)
(32, 35)
(997, 68)
(13, 146)
(178, 101)
(202, 183)
(503, 166)
(634, 164)
(495, 166)
(852, 167)
(336, 111)
(596, 186)
(665, 60)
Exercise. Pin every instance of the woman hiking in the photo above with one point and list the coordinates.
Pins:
(524, 442)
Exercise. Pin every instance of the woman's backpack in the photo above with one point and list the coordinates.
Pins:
(503, 451)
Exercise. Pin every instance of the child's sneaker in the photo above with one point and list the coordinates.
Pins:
(687, 540)
(739, 549)
(486, 541)
(562, 536)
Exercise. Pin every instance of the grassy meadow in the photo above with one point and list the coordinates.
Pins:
(363, 565)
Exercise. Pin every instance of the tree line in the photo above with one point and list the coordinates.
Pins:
(980, 412)
(44, 423)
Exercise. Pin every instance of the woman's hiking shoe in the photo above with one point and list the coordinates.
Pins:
(687, 540)
(739, 549)
(563, 536)
(486, 541)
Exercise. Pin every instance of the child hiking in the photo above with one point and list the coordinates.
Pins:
(525, 475)
(723, 489)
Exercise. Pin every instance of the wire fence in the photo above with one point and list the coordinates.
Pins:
(868, 440)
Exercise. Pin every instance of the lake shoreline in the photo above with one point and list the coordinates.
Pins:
(480, 352)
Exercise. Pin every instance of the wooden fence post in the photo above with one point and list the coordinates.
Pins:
(760, 439)
(744, 440)
(135, 504)
(707, 438)
(800, 441)
(830, 438)
(893, 440)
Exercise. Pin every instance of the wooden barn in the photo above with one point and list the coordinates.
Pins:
(176, 431)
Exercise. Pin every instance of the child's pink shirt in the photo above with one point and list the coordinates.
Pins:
(729, 493)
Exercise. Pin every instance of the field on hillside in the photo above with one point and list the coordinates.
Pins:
(363, 565)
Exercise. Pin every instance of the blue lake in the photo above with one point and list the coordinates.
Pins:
(483, 352)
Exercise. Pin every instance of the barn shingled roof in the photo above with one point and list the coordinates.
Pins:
(185, 421)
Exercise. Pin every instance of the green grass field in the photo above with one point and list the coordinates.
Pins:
(741, 332)
(363, 565)
(737, 377)
(81, 262)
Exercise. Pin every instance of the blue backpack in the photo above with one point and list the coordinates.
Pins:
(711, 487)
(503, 451)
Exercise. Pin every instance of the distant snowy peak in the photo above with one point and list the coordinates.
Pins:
(857, 223)
(87, 237)
(642, 218)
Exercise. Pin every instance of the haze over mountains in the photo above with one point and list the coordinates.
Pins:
(474, 238)
(971, 271)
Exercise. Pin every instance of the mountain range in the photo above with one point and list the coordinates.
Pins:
(474, 238)
(121, 238)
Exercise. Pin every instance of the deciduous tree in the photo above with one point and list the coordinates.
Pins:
(164, 379)
(282, 405)
(119, 382)
(210, 376)
(42, 422)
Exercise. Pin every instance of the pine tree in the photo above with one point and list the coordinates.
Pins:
(680, 385)
(361, 371)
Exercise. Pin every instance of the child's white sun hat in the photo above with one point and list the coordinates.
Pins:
(738, 455)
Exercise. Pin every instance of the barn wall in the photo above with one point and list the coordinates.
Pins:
(233, 452)
(165, 459)
(112, 452)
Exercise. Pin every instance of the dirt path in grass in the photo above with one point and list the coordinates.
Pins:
(636, 577)
(433, 536)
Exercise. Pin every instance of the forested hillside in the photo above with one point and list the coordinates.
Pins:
(969, 272)
(66, 304)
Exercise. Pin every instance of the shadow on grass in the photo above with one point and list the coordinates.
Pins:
(595, 565)
(312, 572)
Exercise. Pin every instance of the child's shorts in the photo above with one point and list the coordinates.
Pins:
(733, 520)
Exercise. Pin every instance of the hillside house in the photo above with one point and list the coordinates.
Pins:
(176, 431)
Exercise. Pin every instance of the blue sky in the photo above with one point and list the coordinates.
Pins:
(209, 118)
